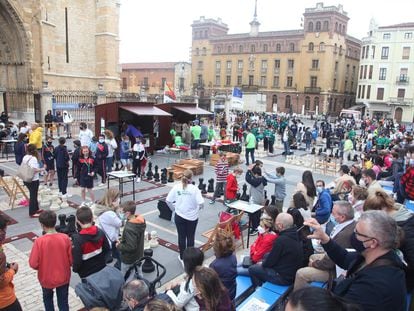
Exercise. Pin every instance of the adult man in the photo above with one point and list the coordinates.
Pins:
(89, 245)
(284, 259)
(280, 185)
(51, 256)
(250, 143)
(136, 294)
(375, 277)
(321, 267)
(369, 178)
(343, 183)
(323, 206)
(195, 142)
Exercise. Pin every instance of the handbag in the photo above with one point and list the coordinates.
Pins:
(25, 172)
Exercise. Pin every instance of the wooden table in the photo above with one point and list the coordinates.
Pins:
(247, 208)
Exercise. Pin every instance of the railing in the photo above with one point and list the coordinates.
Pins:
(401, 101)
(312, 90)
(402, 79)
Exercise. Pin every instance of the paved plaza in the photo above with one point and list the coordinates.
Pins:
(20, 235)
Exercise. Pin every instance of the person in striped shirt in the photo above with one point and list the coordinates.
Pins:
(222, 171)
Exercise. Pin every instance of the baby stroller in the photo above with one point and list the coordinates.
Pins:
(104, 288)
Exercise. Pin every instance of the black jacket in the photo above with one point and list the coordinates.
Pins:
(286, 256)
(89, 251)
(407, 248)
(375, 287)
(62, 156)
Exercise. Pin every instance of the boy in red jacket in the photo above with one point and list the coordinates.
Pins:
(51, 256)
(231, 184)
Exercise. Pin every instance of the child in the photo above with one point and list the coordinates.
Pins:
(125, 152)
(139, 155)
(62, 165)
(222, 171)
(93, 145)
(100, 159)
(49, 161)
(231, 184)
(225, 263)
(131, 245)
(75, 161)
(86, 174)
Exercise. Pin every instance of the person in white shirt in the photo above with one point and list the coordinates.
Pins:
(186, 200)
(67, 120)
(112, 146)
(139, 155)
(85, 134)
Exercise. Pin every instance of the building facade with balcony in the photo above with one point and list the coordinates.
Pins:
(310, 71)
(148, 79)
(386, 72)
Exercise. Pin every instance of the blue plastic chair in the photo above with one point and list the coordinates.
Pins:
(278, 289)
(244, 284)
(409, 204)
(262, 294)
(318, 284)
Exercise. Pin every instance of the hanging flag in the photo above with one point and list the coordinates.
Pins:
(169, 95)
(237, 99)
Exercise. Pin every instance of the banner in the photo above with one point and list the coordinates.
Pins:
(169, 95)
(237, 99)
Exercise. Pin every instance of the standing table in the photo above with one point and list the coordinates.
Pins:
(4, 144)
(123, 178)
(247, 208)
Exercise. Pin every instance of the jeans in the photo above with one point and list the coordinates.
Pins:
(62, 298)
(109, 164)
(62, 173)
(286, 145)
(186, 233)
(33, 191)
(251, 151)
(261, 275)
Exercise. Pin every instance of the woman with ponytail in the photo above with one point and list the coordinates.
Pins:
(186, 200)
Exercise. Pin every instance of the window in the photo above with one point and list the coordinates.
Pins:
(274, 99)
(346, 86)
(219, 49)
(217, 81)
(380, 93)
(314, 81)
(252, 48)
(307, 103)
(218, 66)
(367, 52)
(336, 26)
(291, 63)
(310, 26)
(287, 102)
(406, 52)
(146, 81)
(318, 26)
(373, 51)
(181, 84)
(229, 49)
(322, 47)
(265, 48)
(276, 81)
(334, 84)
(278, 47)
(386, 36)
(239, 80)
(240, 48)
(251, 80)
(336, 66)
(289, 81)
(403, 75)
(382, 74)
(361, 71)
(197, 51)
(359, 91)
(363, 91)
(384, 52)
(316, 102)
(263, 81)
(408, 35)
(401, 93)
(228, 80)
(325, 25)
(371, 68)
(199, 80)
(291, 47)
(363, 52)
(335, 48)
(124, 83)
(365, 71)
(228, 64)
(204, 52)
(163, 81)
(310, 47)
(264, 66)
(368, 91)
(239, 65)
(347, 69)
(315, 63)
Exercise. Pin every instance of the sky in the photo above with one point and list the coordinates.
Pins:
(160, 30)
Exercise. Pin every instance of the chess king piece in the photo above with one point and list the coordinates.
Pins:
(150, 174)
(210, 187)
(156, 174)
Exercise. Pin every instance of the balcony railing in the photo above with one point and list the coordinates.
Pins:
(312, 90)
(401, 101)
(402, 79)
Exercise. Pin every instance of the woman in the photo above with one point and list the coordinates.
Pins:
(20, 148)
(299, 203)
(112, 146)
(357, 198)
(109, 221)
(210, 293)
(192, 257)
(303, 232)
(32, 159)
(308, 189)
(186, 199)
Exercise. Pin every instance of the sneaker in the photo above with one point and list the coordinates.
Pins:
(253, 232)
(212, 201)
(82, 204)
(138, 179)
(181, 261)
(67, 195)
(101, 184)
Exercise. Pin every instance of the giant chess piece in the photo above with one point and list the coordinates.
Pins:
(61, 227)
(360, 148)
(200, 185)
(265, 194)
(244, 196)
(355, 159)
(320, 151)
(164, 176)
(71, 227)
(337, 154)
(193, 182)
(273, 199)
(170, 176)
(203, 190)
(150, 174)
(156, 174)
(313, 151)
(210, 187)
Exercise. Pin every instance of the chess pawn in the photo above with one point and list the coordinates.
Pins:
(200, 185)
(147, 240)
(150, 174)
(156, 174)
(164, 176)
(153, 242)
(171, 176)
(244, 196)
(62, 223)
(203, 190)
(273, 199)
(320, 151)
(210, 187)
(265, 194)
(313, 151)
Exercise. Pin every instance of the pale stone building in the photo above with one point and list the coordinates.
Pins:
(386, 87)
(57, 55)
(311, 70)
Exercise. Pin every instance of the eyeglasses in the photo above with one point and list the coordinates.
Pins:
(369, 238)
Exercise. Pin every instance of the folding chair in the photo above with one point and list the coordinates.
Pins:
(211, 234)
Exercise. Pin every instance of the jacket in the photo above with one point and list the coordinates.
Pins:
(231, 187)
(374, 288)
(286, 256)
(280, 185)
(262, 246)
(323, 206)
(19, 152)
(62, 157)
(109, 222)
(226, 268)
(131, 245)
(408, 181)
(52, 252)
(7, 294)
(89, 251)
(35, 137)
(101, 152)
(256, 190)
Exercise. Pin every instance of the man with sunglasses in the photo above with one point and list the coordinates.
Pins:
(375, 277)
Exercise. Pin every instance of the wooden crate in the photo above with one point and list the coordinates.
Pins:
(214, 159)
(232, 158)
(199, 165)
(183, 167)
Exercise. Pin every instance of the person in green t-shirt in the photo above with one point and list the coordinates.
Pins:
(195, 142)
(211, 133)
(250, 144)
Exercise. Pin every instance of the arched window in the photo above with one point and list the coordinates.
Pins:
(310, 46)
(325, 25)
(265, 48)
(310, 26)
(219, 49)
(316, 102)
(322, 46)
(287, 102)
(240, 48)
(252, 48)
(291, 47)
(318, 26)
(274, 99)
(229, 49)
(278, 47)
(307, 103)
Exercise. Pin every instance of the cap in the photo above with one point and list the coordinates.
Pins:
(344, 168)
